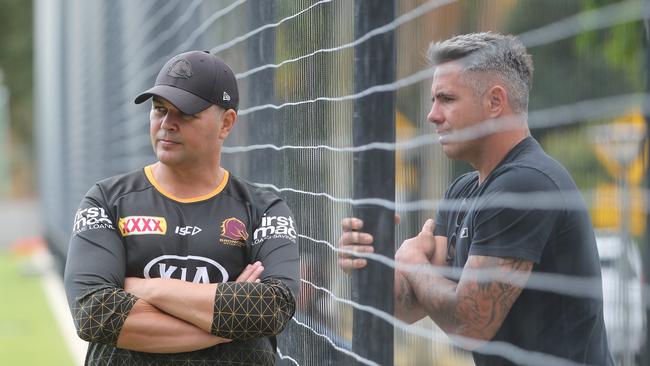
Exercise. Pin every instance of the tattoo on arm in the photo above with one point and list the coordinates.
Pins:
(484, 299)
(476, 306)
(405, 296)
(407, 306)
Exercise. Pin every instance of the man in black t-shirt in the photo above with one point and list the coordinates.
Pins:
(181, 263)
(519, 215)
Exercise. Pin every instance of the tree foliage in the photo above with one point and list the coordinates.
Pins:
(620, 45)
(16, 62)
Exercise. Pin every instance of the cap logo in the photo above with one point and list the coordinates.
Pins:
(226, 96)
(180, 69)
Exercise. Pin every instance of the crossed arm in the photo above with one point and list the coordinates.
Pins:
(407, 306)
(474, 307)
(148, 329)
(172, 315)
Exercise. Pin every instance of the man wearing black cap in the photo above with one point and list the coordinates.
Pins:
(154, 254)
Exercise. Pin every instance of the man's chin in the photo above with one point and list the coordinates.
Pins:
(167, 158)
(451, 150)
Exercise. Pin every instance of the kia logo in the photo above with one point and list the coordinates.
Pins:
(190, 268)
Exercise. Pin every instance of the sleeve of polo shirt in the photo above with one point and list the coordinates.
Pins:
(270, 304)
(274, 244)
(516, 215)
(94, 272)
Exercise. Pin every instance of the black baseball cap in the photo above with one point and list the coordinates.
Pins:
(192, 81)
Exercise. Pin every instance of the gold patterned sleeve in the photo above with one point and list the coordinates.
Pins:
(99, 315)
(245, 310)
(94, 272)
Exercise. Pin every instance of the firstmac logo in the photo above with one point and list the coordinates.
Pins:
(90, 218)
(142, 225)
(275, 227)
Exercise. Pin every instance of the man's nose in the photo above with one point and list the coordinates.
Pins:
(435, 116)
(169, 122)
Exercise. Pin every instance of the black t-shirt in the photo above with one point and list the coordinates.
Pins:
(127, 226)
(553, 230)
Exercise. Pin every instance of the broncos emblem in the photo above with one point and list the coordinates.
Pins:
(234, 229)
(180, 69)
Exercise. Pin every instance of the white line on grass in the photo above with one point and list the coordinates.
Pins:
(55, 294)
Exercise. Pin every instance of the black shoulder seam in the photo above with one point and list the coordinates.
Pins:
(457, 181)
(550, 179)
(529, 167)
(253, 190)
(107, 203)
(253, 187)
(130, 192)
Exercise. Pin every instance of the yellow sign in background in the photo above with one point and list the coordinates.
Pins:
(607, 205)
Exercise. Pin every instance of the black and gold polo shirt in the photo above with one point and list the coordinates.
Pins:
(128, 226)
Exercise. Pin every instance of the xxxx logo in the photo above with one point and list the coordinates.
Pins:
(142, 225)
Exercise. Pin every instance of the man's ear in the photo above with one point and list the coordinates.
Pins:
(496, 100)
(228, 119)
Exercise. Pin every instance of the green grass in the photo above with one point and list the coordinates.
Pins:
(28, 331)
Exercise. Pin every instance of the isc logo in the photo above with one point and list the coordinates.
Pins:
(187, 230)
(141, 225)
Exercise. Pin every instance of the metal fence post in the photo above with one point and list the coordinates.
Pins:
(374, 176)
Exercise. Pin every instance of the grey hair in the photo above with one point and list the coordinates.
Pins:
(497, 55)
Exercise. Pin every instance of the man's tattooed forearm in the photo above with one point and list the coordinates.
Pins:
(485, 302)
(405, 295)
(477, 306)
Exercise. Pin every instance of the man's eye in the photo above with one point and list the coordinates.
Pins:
(160, 110)
(188, 117)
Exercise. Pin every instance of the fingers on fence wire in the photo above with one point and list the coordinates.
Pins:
(354, 241)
